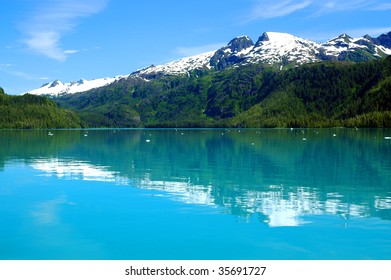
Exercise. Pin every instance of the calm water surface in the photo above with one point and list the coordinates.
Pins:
(195, 194)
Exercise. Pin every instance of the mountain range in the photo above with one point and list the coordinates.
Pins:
(279, 50)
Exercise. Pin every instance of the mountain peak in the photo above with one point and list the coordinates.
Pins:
(369, 38)
(240, 43)
(276, 37)
(345, 37)
(233, 53)
(385, 40)
(283, 48)
(342, 40)
(54, 84)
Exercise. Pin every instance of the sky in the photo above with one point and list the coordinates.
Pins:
(46, 40)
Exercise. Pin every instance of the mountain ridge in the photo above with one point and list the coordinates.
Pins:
(324, 94)
(272, 48)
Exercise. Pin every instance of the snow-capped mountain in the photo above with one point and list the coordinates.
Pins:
(272, 48)
(278, 49)
(178, 67)
(344, 46)
(57, 88)
(282, 48)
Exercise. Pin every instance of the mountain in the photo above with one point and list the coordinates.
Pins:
(178, 67)
(57, 88)
(323, 94)
(277, 49)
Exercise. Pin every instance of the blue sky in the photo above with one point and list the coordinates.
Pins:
(71, 39)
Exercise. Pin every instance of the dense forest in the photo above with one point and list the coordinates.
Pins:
(314, 95)
(29, 111)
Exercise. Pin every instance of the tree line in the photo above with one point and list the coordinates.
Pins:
(31, 112)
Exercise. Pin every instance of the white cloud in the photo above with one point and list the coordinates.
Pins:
(45, 27)
(71, 51)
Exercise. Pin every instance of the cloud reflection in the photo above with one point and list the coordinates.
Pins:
(278, 205)
(77, 170)
(46, 213)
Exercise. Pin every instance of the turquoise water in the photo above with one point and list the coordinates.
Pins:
(195, 194)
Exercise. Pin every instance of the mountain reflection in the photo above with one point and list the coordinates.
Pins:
(279, 205)
(271, 174)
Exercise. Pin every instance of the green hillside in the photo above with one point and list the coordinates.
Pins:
(29, 111)
(319, 94)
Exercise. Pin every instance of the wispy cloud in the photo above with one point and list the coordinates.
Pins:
(6, 65)
(375, 31)
(267, 9)
(10, 70)
(355, 33)
(327, 7)
(190, 51)
(44, 28)
(71, 51)
(381, 7)
(272, 9)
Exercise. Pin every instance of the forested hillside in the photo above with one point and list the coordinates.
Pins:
(318, 94)
(29, 111)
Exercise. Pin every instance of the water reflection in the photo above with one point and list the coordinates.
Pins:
(46, 213)
(272, 174)
(70, 169)
(181, 191)
(280, 205)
